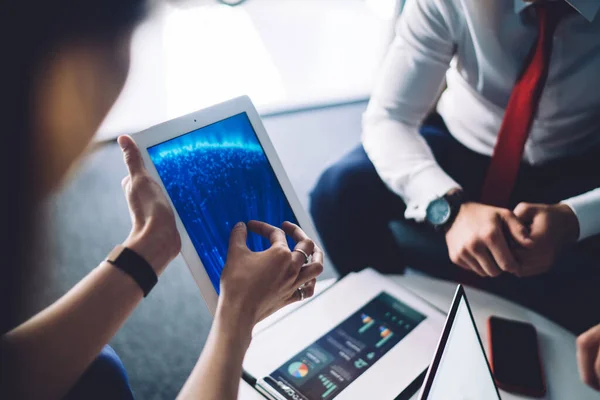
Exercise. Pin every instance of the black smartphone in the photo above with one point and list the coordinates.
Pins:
(515, 357)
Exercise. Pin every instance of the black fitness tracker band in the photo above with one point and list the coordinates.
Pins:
(135, 266)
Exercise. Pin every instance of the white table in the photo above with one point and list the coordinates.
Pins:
(557, 345)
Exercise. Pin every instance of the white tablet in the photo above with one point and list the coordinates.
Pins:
(217, 167)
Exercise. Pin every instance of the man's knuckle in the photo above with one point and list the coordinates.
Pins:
(495, 273)
(597, 366)
(489, 235)
(464, 250)
(521, 207)
(472, 245)
(508, 268)
(454, 258)
(585, 341)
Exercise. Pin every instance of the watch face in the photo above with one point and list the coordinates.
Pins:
(438, 212)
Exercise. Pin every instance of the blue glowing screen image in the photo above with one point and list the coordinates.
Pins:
(217, 176)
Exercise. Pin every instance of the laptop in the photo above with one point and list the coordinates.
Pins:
(460, 369)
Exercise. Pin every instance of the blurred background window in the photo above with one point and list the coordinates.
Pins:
(284, 54)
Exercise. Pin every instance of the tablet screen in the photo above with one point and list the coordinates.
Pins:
(217, 176)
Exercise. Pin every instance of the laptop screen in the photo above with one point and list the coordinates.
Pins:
(462, 371)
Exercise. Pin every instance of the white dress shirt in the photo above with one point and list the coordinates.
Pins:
(479, 46)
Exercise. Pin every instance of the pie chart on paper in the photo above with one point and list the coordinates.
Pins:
(298, 369)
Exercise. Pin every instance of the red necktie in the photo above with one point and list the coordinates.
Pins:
(521, 110)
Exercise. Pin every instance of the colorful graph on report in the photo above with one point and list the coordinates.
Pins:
(298, 369)
(326, 367)
(329, 386)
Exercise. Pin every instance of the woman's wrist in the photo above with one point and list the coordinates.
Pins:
(235, 319)
(234, 335)
(156, 254)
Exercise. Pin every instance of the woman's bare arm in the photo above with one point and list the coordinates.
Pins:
(47, 354)
(44, 357)
(217, 373)
(253, 286)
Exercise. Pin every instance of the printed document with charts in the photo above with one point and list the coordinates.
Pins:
(363, 337)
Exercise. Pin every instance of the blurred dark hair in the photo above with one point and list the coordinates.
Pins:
(30, 31)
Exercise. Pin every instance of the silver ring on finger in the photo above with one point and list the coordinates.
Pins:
(304, 254)
(300, 291)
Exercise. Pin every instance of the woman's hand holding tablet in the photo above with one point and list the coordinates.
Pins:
(256, 284)
(153, 235)
(217, 167)
(253, 286)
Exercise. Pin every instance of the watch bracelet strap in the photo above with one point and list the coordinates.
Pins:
(455, 200)
(135, 266)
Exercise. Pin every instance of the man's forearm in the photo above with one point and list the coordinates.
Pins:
(54, 348)
(408, 84)
(405, 163)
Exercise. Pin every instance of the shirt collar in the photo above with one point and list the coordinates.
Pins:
(587, 8)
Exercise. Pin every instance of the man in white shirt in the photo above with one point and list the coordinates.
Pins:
(508, 169)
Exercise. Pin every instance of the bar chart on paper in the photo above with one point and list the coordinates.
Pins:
(385, 334)
(367, 323)
(329, 386)
(329, 365)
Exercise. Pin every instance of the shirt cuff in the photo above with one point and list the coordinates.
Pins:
(424, 187)
(587, 210)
